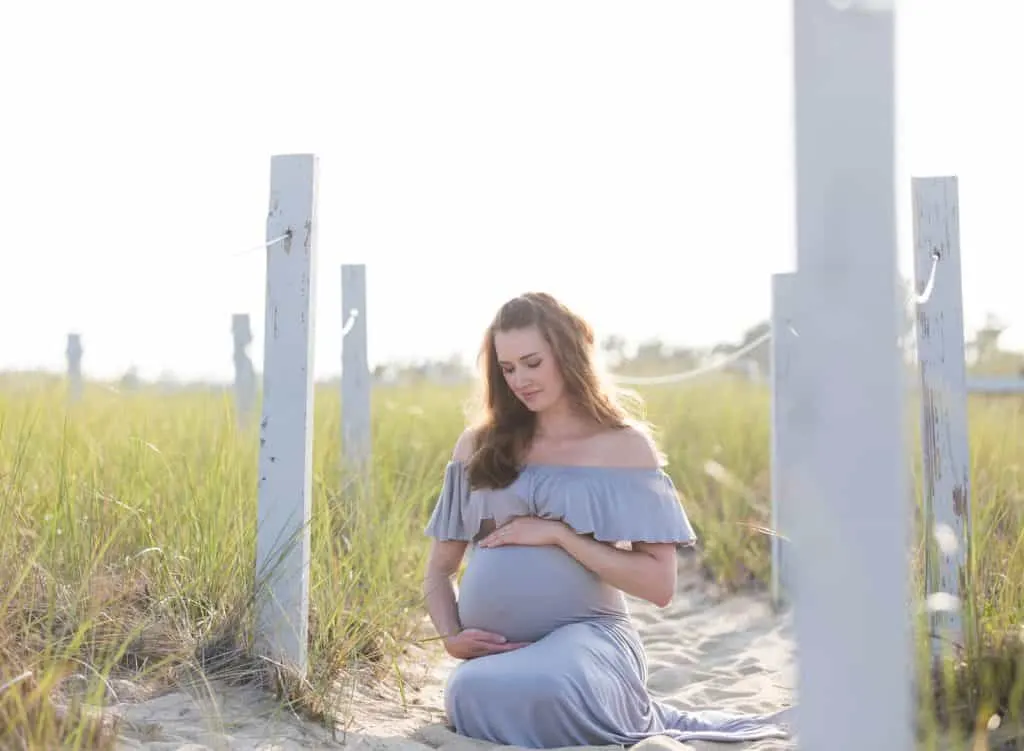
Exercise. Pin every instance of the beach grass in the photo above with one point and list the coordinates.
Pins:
(127, 543)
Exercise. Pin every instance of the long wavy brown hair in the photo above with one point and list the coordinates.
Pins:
(504, 427)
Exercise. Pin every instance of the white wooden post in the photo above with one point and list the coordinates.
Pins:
(245, 373)
(286, 429)
(356, 430)
(74, 355)
(849, 516)
(785, 448)
(940, 352)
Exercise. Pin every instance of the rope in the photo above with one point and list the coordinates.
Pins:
(732, 357)
(915, 298)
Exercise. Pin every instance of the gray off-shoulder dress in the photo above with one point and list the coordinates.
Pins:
(582, 679)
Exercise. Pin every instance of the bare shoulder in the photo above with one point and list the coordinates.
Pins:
(632, 447)
(465, 446)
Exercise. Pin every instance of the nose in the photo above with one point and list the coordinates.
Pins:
(520, 380)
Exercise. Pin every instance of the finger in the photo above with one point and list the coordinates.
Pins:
(513, 645)
(495, 649)
(488, 637)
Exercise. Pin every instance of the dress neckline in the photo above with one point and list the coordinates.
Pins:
(564, 467)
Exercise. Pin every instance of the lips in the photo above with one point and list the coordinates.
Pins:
(529, 394)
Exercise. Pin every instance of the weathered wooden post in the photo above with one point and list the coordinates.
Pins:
(356, 430)
(286, 428)
(245, 373)
(785, 446)
(849, 518)
(942, 361)
(74, 355)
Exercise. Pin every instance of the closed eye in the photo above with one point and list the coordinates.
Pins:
(531, 365)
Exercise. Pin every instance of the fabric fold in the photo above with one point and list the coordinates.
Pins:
(612, 504)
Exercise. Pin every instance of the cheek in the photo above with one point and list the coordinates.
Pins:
(550, 377)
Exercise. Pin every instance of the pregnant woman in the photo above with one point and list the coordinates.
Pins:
(562, 503)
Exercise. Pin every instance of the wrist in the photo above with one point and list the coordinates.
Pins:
(563, 535)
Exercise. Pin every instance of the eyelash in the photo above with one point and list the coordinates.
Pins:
(531, 366)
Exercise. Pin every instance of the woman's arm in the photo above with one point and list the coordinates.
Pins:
(439, 591)
(442, 606)
(443, 564)
(439, 586)
(648, 571)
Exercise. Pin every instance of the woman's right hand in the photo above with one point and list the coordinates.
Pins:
(475, 642)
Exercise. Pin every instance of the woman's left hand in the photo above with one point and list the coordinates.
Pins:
(526, 530)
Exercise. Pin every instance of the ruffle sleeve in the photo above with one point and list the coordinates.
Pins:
(448, 520)
(614, 505)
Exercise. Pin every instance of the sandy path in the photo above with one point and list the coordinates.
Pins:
(704, 651)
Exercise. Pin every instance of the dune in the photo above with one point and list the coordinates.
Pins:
(705, 650)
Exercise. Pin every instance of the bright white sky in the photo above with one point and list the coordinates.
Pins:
(634, 158)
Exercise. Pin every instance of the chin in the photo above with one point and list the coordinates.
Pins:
(538, 406)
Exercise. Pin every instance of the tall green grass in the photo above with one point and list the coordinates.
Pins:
(127, 542)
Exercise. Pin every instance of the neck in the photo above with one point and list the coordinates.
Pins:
(559, 420)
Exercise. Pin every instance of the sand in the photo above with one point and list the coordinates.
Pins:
(705, 650)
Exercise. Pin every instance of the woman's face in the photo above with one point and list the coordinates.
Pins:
(529, 366)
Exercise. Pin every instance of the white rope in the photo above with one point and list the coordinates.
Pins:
(353, 314)
(922, 298)
(263, 246)
(697, 372)
(915, 298)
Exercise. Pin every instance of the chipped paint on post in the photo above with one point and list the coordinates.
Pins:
(286, 428)
(944, 438)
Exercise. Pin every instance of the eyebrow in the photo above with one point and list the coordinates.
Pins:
(524, 357)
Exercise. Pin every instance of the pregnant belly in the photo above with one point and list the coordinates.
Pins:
(525, 593)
